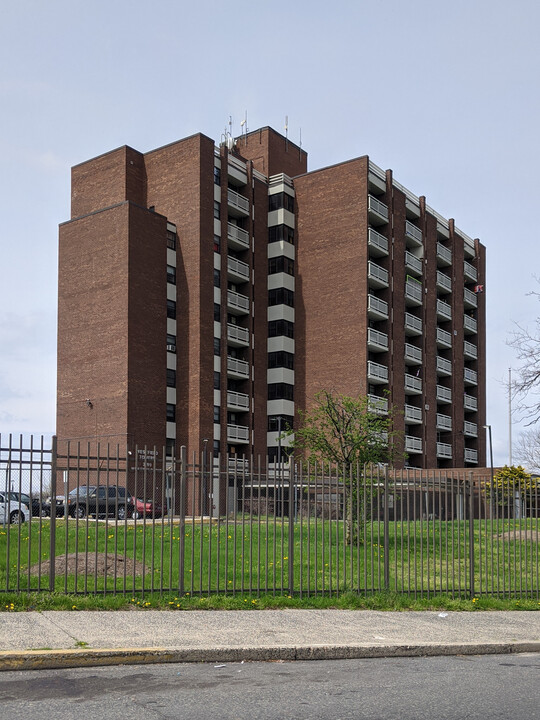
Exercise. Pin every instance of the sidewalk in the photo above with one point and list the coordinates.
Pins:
(58, 639)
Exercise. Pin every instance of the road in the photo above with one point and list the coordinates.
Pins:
(496, 686)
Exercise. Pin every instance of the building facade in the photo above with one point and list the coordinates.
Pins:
(207, 293)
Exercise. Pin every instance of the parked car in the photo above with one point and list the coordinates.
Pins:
(100, 500)
(60, 501)
(12, 510)
(36, 505)
(148, 508)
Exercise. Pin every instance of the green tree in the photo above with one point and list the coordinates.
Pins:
(513, 484)
(349, 432)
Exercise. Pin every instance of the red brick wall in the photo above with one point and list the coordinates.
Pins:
(271, 153)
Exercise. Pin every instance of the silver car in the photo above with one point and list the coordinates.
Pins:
(11, 510)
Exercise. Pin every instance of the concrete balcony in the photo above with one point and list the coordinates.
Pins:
(377, 308)
(470, 377)
(413, 385)
(238, 205)
(237, 304)
(412, 263)
(377, 341)
(470, 351)
(443, 394)
(413, 235)
(237, 336)
(237, 401)
(470, 429)
(444, 367)
(471, 456)
(444, 450)
(413, 325)
(444, 310)
(237, 238)
(377, 275)
(444, 338)
(443, 422)
(443, 283)
(469, 298)
(444, 255)
(377, 373)
(413, 292)
(413, 415)
(413, 355)
(470, 403)
(413, 445)
(377, 211)
(237, 368)
(237, 434)
(470, 272)
(377, 244)
(378, 405)
(470, 326)
(237, 270)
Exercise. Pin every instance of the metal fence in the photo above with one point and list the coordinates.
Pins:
(134, 520)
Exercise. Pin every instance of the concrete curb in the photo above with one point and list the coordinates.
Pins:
(86, 657)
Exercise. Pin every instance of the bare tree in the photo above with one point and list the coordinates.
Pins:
(528, 450)
(526, 387)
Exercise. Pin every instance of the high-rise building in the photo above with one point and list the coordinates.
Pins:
(207, 293)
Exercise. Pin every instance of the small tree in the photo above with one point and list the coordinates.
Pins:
(513, 486)
(349, 432)
(528, 449)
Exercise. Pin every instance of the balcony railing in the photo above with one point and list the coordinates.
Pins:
(413, 354)
(469, 298)
(443, 394)
(470, 376)
(444, 422)
(413, 233)
(377, 341)
(413, 385)
(377, 373)
(378, 404)
(237, 202)
(470, 350)
(378, 211)
(237, 367)
(413, 292)
(413, 444)
(469, 324)
(470, 271)
(377, 308)
(444, 255)
(444, 450)
(412, 263)
(413, 415)
(377, 275)
(237, 433)
(444, 282)
(444, 310)
(377, 243)
(237, 237)
(444, 366)
(470, 429)
(237, 401)
(237, 303)
(413, 325)
(238, 268)
(471, 456)
(470, 403)
(237, 335)
(444, 339)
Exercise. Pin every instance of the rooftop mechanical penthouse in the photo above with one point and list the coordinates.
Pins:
(207, 293)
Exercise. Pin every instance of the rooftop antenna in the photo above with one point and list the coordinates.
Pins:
(243, 126)
(286, 133)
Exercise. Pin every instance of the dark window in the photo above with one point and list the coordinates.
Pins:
(274, 422)
(280, 327)
(217, 210)
(281, 296)
(171, 240)
(171, 343)
(217, 312)
(217, 243)
(171, 378)
(171, 274)
(280, 232)
(280, 391)
(216, 413)
(217, 346)
(217, 447)
(217, 380)
(281, 359)
(281, 200)
(280, 264)
(171, 412)
(217, 278)
(171, 309)
(217, 176)
(274, 456)
(169, 447)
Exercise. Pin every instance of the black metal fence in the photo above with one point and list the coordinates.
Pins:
(102, 519)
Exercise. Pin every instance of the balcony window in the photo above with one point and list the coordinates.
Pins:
(279, 423)
(171, 343)
(217, 210)
(171, 274)
(278, 233)
(217, 312)
(217, 176)
(217, 380)
(281, 359)
(280, 391)
(171, 240)
(276, 328)
(281, 296)
(280, 264)
(217, 278)
(216, 413)
(279, 201)
(171, 412)
(217, 346)
(217, 244)
(171, 378)
(171, 309)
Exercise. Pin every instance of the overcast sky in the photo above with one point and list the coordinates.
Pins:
(446, 94)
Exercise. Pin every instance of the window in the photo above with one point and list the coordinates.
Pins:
(171, 378)
(217, 210)
(217, 447)
(171, 343)
(281, 359)
(280, 391)
(171, 274)
(171, 240)
(217, 346)
(169, 447)
(216, 413)
(280, 232)
(217, 243)
(217, 278)
(217, 176)
(171, 412)
(171, 309)
(279, 423)
(281, 296)
(281, 200)
(217, 312)
(274, 456)
(280, 327)
(217, 380)
(280, 264)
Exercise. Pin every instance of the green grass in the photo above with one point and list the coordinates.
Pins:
(246, 562)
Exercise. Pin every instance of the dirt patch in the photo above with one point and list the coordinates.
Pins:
(93, 565)
(519, 535)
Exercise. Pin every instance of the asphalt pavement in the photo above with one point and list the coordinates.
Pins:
(60, 639)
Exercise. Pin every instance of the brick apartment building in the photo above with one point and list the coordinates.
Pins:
(207, 293)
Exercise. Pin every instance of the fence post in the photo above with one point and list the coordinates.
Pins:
(182, 522)
(386, 522)
(292, 514)
(471, 535)
(52, 526)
